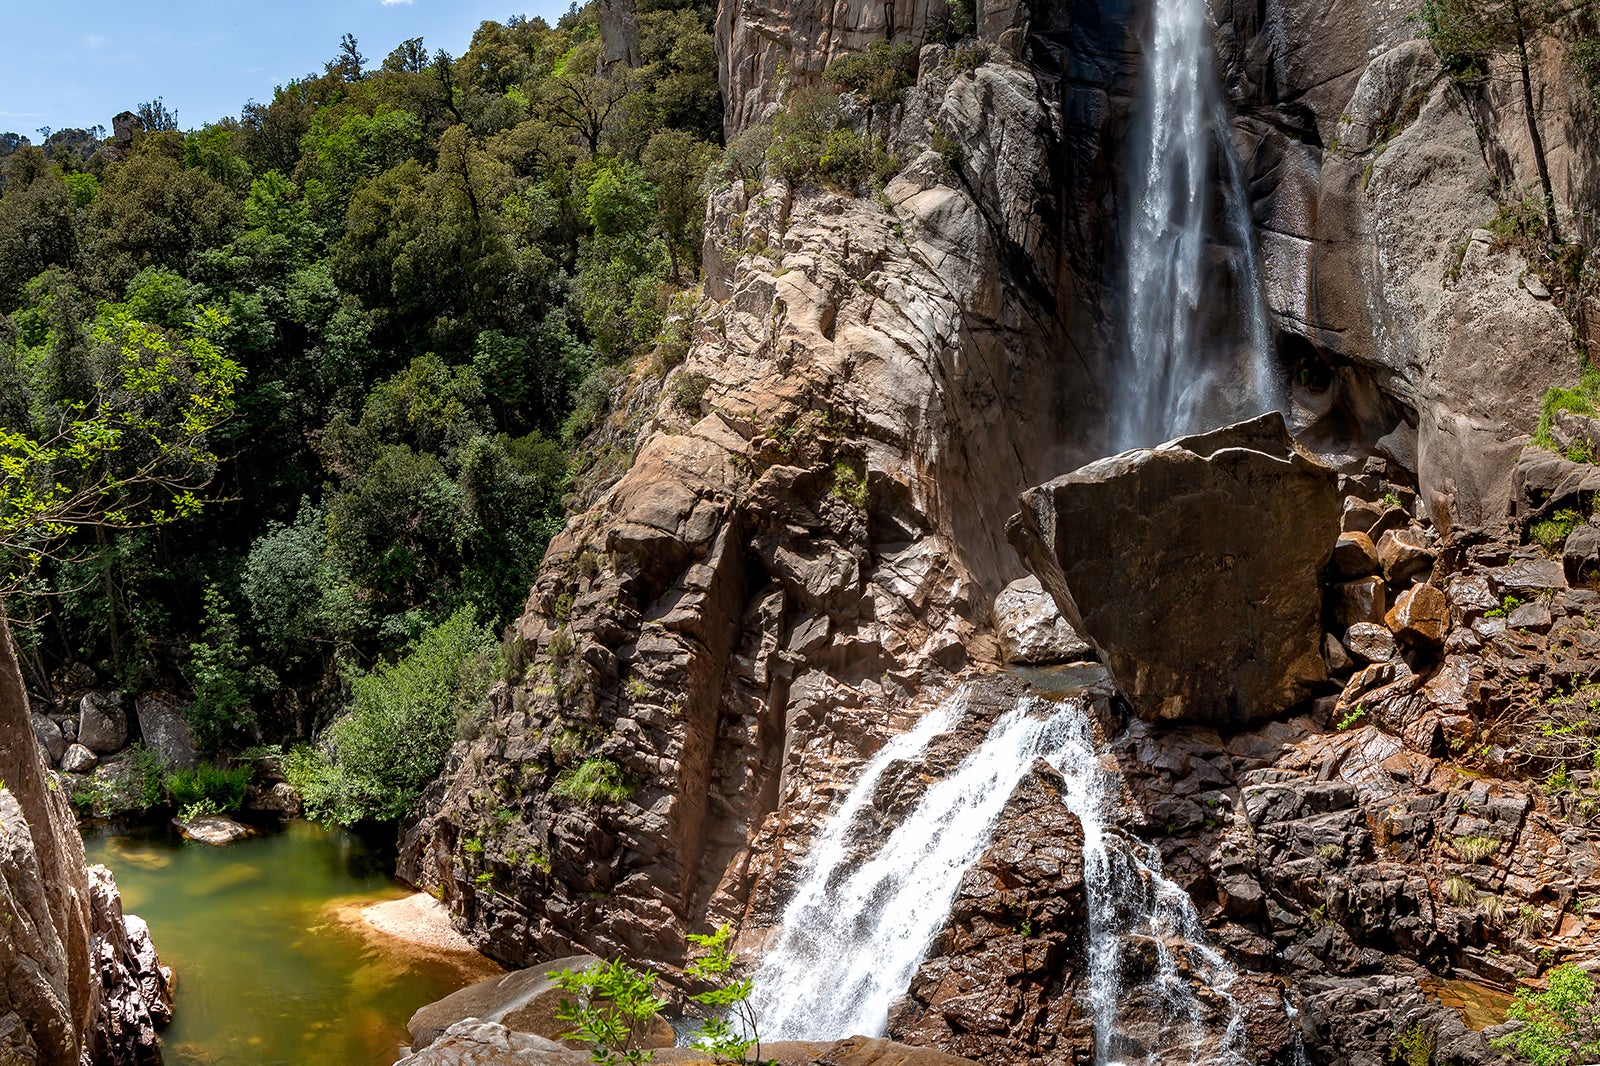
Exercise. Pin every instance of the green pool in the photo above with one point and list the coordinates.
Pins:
(272, 962)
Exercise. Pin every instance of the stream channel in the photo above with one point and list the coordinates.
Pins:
(272, 963)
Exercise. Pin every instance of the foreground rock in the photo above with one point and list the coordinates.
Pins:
(473, 1042)
(79, 982)
(1195, 567)
(525, 1001)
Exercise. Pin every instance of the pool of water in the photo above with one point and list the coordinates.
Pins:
(272, 963)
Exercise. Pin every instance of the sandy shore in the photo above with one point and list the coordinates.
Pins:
(418, 919)
(415, 928)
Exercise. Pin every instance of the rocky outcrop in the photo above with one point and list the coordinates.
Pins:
(1004, 981)
(1195, 568)
(78, 981)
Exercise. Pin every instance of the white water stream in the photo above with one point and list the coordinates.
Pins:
(1174, 380)
(856, 931)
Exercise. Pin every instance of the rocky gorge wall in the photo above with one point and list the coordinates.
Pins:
(807, 546)
(79, 981)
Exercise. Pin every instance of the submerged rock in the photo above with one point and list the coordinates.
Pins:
(1195, 567)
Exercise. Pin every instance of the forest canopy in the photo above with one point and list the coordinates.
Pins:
(416, 278)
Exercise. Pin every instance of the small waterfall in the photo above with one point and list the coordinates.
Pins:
(1172, 381)
(855, 932)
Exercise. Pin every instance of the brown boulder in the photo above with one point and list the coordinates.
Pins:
(1420, 616)
(1354, 554)
(1194, 567)
(1404, 553)
(1355, 602)
(1370, 643)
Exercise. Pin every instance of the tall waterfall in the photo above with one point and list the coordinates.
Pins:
(1175, 379)
(855, 932)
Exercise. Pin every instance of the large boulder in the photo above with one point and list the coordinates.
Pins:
(524, 1000)
(1194, 567)
(102, 723)
(165, 731)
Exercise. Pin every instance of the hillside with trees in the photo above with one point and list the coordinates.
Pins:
(427, 271)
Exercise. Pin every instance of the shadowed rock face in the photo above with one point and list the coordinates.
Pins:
(1195, 568)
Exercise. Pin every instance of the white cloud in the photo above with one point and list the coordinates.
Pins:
(392, 3)
(95, 40)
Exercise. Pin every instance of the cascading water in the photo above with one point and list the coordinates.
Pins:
(855, 932)
(1173, 380)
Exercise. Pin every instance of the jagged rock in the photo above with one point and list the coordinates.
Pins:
(213, 829)
(165, 730)
(1225, 642)
(1031, 627)
(48, 733)
(78, 759)
(1470, 593)
(1355, 602)
(1001, 983)
(1535, 616)
(1354, 554)
(137, 999)
(1420, 615)
(1580, 556)
(1544, 482)
(1370, 643)
(1529, 575)
(1404, 553)
(102, 723)
(524, 1000)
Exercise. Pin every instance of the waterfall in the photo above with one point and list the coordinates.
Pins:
(1174, 380)
(856, 931)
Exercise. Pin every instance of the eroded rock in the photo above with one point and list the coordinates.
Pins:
(1032, 629)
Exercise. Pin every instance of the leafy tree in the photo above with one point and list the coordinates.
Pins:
(375, 759)
(222, 677)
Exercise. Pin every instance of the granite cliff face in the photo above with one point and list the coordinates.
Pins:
(805, 551)
(79, 981)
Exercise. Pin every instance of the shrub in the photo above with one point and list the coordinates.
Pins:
(214, 786)
(597, 780)
(222, 677)
(881, 74)
(376, 758)
(688, 391)
(1552, 532)
(1582, 399)
(1411, 1046)
(612, 1012)
(718, 965)
(1475, 848)
(1558, 1026)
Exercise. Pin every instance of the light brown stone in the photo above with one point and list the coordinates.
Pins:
(1420, 616)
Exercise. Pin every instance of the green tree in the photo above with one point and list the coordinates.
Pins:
(1559, 1026)
(717, 964)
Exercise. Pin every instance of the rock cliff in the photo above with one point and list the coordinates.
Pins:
(79, 982)
(806, 548)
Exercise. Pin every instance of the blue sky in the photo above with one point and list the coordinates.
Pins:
(75, 63)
